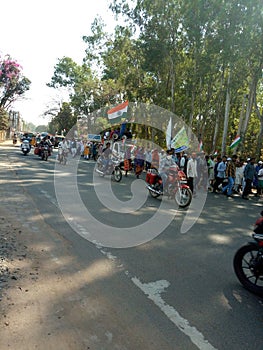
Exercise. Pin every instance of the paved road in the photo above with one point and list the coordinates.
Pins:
(176, 291)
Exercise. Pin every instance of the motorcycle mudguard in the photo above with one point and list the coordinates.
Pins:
(184, 186)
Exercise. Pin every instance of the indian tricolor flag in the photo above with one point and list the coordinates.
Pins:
(235, 142)
(117, 113)
(200, 146)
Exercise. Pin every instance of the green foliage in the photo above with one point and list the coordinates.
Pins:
(178, 55)
(4, 119)
(41, 128)
(65, 120)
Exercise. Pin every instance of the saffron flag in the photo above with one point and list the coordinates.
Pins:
(117, 113)
(180, 142)
(235, 142)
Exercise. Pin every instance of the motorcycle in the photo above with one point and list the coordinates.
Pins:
(248, 263)
(25, 147)
(62, 156)
(44, 152)
(176, 186)
(113, 168)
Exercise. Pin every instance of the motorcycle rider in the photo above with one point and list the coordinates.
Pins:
(62, 148)
(45, 142)
(26, 138)
(106, 156)
(165, 163)
(26, 144)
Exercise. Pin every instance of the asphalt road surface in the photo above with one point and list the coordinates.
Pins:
(149, 284)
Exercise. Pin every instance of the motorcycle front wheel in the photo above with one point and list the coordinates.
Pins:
(183, 197)
(154, 194)
(99, 168)
(248, 266)
(117, 174)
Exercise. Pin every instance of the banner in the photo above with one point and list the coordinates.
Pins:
(180, 142)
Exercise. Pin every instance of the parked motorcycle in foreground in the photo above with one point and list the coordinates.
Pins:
(176, 186)
(248, 262)
(25, 147)
(112, 168)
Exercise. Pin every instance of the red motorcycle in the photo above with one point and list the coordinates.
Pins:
(44, 151)
(175, 187)
(248, 261)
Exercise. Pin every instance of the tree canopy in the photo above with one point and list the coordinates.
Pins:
(202, 60)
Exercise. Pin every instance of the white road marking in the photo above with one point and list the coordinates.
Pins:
(153, 291)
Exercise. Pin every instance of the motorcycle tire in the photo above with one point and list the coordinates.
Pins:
(154, 194)
(117, 174)
(183, 197)
(99, 168)
(248, 266)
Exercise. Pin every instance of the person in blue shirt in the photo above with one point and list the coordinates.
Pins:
(220, 173)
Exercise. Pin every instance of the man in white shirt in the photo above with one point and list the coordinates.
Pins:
(192, 171)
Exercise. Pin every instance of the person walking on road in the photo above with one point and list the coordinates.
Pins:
(249, 173)
(220, 173)
(230, 174)
(192, 171)
(260, 178)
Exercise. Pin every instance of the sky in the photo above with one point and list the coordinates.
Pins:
(37, 33)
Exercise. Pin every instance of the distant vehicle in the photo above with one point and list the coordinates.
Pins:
(94, 137)
(57, 140)
(119, 148)
(29, 135)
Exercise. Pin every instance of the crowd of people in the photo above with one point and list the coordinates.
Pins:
(88, 150)
(235, 175)
(226, 175)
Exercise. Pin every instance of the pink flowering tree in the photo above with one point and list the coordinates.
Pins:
(12, 82)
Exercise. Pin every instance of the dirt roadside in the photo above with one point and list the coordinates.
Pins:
(31, 274)
(42, 298)
(50, 298)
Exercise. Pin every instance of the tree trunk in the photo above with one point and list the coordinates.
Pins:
(215, 133)
(260, 135)
(226, 118)
(217, 123)
(172, 86)
(251, 100)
